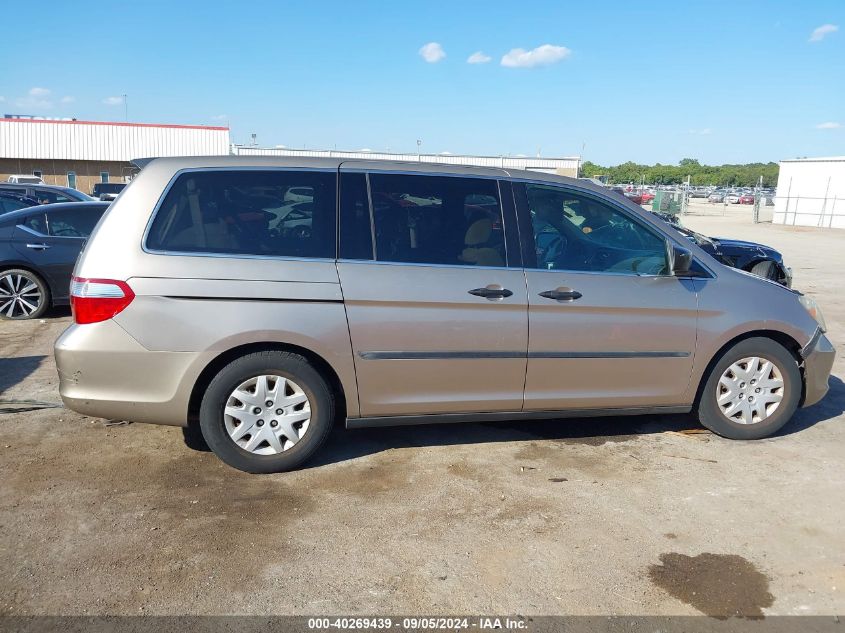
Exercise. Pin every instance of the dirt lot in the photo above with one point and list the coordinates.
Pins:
(616, 516)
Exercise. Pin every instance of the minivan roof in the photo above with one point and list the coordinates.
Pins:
(198, 162)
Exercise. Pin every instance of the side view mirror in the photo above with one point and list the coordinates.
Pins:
(680, 260)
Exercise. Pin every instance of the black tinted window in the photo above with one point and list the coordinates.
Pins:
(12, 204)
(46, 196)
(356, 240)
(273, 213)
(77, 222)
(572, 231)
(437, 220)
(36, 222)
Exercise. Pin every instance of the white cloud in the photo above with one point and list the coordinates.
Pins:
(67, 99)
(432, 52)
(113, 101)
(829, 125)
(540, 56)
(478, 58)
(35, 99)
(705, 131)
(819, 33)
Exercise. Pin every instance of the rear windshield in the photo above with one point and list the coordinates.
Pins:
(249, 212)
(109, 187)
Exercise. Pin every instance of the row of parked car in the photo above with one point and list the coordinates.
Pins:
(42, 231)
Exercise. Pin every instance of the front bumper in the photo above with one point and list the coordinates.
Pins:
(818, 361)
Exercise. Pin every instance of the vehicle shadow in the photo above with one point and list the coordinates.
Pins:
(831, 406)
(344, 445)
(14, 370)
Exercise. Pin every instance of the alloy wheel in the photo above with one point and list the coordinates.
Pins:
(20, 296)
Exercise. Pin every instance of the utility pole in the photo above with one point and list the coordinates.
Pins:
(419, 156)
(125, 108)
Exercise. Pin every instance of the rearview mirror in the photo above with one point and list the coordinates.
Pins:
(681, 260)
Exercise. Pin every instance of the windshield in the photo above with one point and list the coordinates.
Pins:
(109, 187)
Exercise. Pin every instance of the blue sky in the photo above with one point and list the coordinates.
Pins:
(719, 81)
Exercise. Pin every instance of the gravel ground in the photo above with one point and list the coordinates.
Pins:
(646, 515)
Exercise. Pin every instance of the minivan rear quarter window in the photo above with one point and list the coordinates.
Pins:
(272, 213)
(437, 220)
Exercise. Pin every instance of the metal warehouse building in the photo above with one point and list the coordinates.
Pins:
(567, 166)
(81, 153)
(811, 192)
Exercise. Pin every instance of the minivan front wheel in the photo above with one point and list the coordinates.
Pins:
(267, 412)
(752, 391)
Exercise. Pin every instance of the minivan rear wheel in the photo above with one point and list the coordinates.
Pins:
(267, 412)
(752, 391)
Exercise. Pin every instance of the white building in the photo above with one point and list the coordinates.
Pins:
(81, 153)
(811, 192)
(566, 166)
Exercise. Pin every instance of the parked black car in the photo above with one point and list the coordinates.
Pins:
(13, 201)
(47, 194)
(107, 190)
(751, 257)
(39, 246)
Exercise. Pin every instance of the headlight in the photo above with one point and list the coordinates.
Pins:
(815, 311)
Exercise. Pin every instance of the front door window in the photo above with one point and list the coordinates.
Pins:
(577, 232)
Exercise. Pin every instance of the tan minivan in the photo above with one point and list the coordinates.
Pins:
(263, 298)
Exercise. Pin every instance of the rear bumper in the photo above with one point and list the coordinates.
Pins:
(818, 361)
(105, 373)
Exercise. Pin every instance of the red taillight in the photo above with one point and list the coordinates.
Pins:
(95, 300)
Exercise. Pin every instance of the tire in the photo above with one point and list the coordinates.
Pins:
(710, 411)
(249, 448)
(766, 269)
(17, 295)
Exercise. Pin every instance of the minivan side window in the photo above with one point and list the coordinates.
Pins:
(274, 213)
(443, 220)
(577, 232)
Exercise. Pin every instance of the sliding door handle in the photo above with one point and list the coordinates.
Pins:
(491, 292)
(562, 294)
(38, 247)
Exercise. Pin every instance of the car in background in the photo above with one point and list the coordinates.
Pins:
(39, 246)
(697, 193)
(25, 179)
(716, 197)
(746, 198)
(47, 194)
(647, 197)
(634, 196)
(733, 198)
(10, 201)
(757, 259)
(107, 190)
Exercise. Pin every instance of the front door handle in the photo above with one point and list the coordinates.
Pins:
(562, 294)
(38, 247)
(491, 292)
